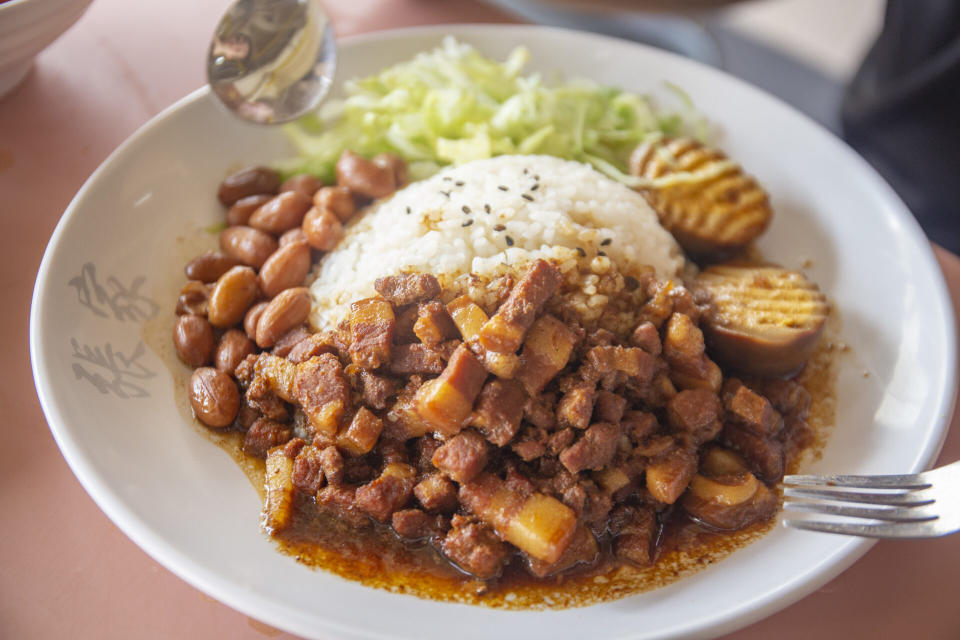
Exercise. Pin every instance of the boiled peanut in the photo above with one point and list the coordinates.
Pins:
(248, 182)
(304, 183)
(252, 318)
(233, 347)
(363, 177)
(193, 338)
(193, 298)
(396, 165)
(232, 295)
(338, 200)
(209, 266)
(282, 213)
(241, 210)
(322, 228)
(286, 268)
(247, 245)
(294, 235)
(214, 397)
(284, 312)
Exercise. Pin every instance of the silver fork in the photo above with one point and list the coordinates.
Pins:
(921, 505)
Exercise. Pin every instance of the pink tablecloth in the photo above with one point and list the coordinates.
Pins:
(67, 572)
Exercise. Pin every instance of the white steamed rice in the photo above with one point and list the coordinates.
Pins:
(491, 216)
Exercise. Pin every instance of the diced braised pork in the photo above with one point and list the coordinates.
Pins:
(307, 472)
(264, 435)
(499, 411)
(531, 444)
(609, 407)
(647, 338)
(403, 420)
(583, 549)
(333, 467)
(322, 391)
(407, 288)
(684, 350)
(278, 506)
(753, 411)
(463, 456)
(539, 411)
(632, 361)
(414, 524)
(668, 477)
(372, 324)
(594, 450)
(377, 389)
(445, 403)
(415, 358)
(638, 425)
(314, 345)
(545, 353)
(764, 453)
(505, 331)
(361, 434)
(468, 317)
(537, 524)
(389, 492)
(261, 397)
(560, 440)
(436, 493)
(695, 413)
(434, 324)
(576, 406)
(341, 502)
(787, 396)
(636, 537)
(475, 548)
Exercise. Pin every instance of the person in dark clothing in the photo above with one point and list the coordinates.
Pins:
(902, 111)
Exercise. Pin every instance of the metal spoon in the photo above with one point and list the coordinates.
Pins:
(271, 61)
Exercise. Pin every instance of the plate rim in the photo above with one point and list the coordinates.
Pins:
(154, 545)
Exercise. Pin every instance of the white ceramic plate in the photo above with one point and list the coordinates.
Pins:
(114, 265)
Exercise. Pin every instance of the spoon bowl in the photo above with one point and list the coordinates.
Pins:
(272, 61)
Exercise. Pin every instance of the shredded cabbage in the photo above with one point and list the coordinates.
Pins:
(453, 105)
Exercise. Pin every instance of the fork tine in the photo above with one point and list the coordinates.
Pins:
(893, 514)
(885, 530)
(909, 481)
(889, 499)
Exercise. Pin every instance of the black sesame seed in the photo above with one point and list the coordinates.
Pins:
(509, 241)
(606, 242)
(465, 209)
(409, 211)
(467, 223)
(445, 193)
(583, 254)
(535, 187)
(486, 208)
(527, 196)
(498, 227)
(526, 171)
(601, 253)
(631, 282)
(502, 188)
(459, 183)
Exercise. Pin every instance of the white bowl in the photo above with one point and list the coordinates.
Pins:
(26, 28)
(111, 404)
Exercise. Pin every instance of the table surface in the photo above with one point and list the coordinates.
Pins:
(67, 570)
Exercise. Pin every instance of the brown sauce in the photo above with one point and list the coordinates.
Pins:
(376, 557)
